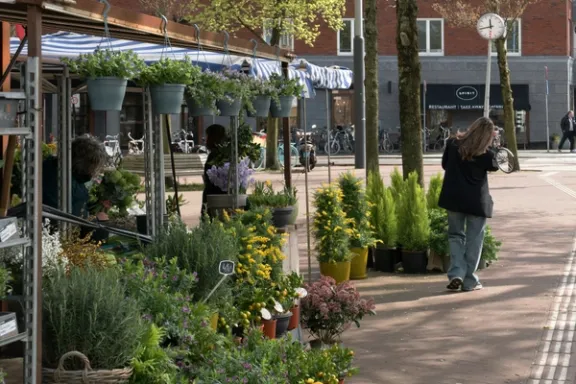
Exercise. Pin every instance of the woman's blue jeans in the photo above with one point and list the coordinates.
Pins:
(465, 236)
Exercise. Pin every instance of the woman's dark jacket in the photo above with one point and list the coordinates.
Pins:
(80, 194)
(465, 188)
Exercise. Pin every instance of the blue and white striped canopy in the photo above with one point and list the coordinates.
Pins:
(326, 77)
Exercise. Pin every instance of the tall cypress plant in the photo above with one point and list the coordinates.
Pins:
(413, 224)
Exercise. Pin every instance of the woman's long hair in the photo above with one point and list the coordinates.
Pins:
(476, 139)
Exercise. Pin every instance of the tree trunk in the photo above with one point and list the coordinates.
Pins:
(272, 144)
(409, 87)
(371, 63)
(508, 100)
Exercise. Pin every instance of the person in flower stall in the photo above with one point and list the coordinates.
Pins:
(215, 136)
(89, 157)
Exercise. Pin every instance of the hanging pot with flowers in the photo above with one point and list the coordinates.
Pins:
(204, 91)
(261, 94)
(235, 93)
(287, 90)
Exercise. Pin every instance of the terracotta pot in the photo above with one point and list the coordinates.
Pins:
(295, 319)
(341, 381)
(338, 271)
(270, 328)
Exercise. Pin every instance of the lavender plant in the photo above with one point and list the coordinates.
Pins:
(220, 176)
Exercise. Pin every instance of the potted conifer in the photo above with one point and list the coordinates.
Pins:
(413, 227)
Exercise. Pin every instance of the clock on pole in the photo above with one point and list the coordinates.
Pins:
(490, 27)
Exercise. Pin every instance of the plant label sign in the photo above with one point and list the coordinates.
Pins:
(226, 267)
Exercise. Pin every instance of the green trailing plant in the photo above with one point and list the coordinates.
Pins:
(413, 225)
(331, 226)
(117, 189)
(152, 364)
(355, 205)
(439, 231)
(261, 87)
(235, 86)
(205, 89)
(398, 184)
(106, 63)
(286, 87)
(199, 251)
(264, 195)
(169, 71)
(87, 310)
(434, 189)
(490, 247)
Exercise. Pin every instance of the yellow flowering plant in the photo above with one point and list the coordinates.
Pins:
(355, 205)
(331, 226)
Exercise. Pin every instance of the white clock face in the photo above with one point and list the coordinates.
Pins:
(491, 26)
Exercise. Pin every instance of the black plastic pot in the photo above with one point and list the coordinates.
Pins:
(384, 259)
(370, 259)
(142, 223)
(282, 322)
(281, 216)
(414, 262)
(398, 255)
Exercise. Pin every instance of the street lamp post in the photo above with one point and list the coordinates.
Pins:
(359, 94)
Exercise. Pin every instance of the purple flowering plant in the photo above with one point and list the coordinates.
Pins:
(329, 309)
(221, 176)
(206, 88)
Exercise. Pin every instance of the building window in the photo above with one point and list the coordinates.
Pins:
(513, 38)
(286, 40)
(431, 36)
(345, 38)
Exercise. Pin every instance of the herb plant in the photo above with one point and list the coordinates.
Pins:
(169, 71)
(356, 206)
(264, 195)
(331, 226)
(106, 63)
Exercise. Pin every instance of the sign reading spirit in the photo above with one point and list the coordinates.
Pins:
(467, 93)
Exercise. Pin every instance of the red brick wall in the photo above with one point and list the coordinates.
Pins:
(546, 31)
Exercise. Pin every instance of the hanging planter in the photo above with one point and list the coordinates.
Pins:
(204, 90)
(286, 91)
(107, 73)
(167, 80)
(261, 92)
(229, 106)
(261, 106)
(196, 109)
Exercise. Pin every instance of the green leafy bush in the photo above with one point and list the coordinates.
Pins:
(331, 226)
(115, 189)
(286, 87)
(355, 205)
(87, 310)
(205, 89)
(491, 246)
(439, 231)
(413, 225)
(106, 63)
(434, 189)
(169, 71)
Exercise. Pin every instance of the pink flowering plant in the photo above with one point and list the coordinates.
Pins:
(329, 309)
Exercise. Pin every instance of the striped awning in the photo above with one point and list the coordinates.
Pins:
(326, 77)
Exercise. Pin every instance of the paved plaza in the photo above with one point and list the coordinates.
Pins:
(518, 330)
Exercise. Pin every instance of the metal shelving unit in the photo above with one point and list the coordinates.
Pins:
(31, 241)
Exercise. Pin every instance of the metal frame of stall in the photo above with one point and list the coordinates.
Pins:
(83, 17)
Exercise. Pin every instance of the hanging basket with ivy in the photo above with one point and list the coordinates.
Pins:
(107, 73)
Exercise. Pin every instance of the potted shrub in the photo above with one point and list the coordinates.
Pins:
(87, 315)
(385, 223)
(439, 246)
(107, 73)
(413, 227)
(490, 249)
(330, 308)
(202, 93)
(261, 93)
(342, 359)
(287, 90)
(555, 140)
(167, 80)
(236, 93)
(434, 189)
(355, 205)
(281, 203)
(332, 234)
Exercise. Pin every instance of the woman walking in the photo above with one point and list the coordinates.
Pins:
(465, 195)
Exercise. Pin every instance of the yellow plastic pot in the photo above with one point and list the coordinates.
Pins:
(214, 321)
(338, 271)
(358, 263)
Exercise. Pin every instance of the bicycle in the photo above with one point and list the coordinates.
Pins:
(112, 146)
(386, 144)
(294, 157)
(135, 146)
(440, 143)
(184, 141)
(504, 157)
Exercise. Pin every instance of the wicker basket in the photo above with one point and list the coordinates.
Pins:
(86, 376)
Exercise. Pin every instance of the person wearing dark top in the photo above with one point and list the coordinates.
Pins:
(567, 126)
(88, 158)
(215, 136)
(465, 195)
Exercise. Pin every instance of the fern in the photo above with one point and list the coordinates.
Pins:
(152, 365)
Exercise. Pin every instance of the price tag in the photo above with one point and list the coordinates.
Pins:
(226, 267)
